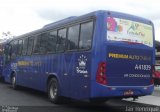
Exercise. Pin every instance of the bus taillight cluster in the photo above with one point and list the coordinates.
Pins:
(101, 74)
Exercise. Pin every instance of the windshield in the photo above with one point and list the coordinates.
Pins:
(129, 31)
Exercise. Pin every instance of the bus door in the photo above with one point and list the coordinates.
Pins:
(7, 59)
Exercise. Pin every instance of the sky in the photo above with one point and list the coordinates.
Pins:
(22, 16)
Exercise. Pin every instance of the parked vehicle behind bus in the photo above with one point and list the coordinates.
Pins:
(97, 56)
(156, 75)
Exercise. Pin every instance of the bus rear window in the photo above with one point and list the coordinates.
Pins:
(129, 31)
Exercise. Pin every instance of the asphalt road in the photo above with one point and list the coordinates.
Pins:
(28, 100)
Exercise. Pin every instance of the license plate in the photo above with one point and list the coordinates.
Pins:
(128, 93)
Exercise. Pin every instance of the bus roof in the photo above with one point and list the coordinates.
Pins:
(63, 20)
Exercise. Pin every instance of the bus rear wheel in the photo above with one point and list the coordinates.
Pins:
(53, 91)
(13, 81)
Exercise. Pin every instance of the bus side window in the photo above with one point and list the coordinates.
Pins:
(14, 49)
(73, 34)
(52, 40)
(61, 40)
(37, 41)
(7, 53)
(20, 45)
(30, 45)
(86, 35)
(25, 43)
(44, 43)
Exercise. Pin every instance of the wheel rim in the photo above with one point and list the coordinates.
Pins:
(53, 91)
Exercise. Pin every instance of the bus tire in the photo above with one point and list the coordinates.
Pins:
(53, 91)
(13, 81)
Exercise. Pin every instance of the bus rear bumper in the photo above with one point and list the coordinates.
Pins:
(121, 91)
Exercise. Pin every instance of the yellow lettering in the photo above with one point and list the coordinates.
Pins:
(122, 56)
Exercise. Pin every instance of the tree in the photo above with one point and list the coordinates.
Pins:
(6, 35)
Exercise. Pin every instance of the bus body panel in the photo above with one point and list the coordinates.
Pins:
(1, 65)
(122, 74)
(125, 66)
(34, 71)
(118, 91)
(2, 45)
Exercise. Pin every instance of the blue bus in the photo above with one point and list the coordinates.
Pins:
(97, 56)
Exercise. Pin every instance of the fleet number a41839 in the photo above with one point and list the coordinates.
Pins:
(142, 67)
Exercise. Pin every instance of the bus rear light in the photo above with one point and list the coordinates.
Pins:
(101, 74)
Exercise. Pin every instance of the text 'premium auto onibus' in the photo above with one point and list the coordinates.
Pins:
(96, 56)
